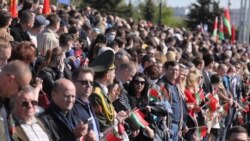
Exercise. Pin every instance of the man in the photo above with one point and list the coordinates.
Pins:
(48, 38)
(83, 79)
(27, 126)
(14, 76)
(175, 99)
(146, 61)
(124, 74)
(5, 52)
(208, 66)
(62, 125)
(104, 69)
(237, 133)
(5, 21)
(19, 32)
(39, 25)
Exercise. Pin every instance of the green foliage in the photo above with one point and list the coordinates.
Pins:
(204, 11)
(148, 10)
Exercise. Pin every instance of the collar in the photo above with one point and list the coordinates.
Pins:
(104, 88)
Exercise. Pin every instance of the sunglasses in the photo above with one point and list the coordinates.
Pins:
(137, 82)
(26, 104)
(85, 82)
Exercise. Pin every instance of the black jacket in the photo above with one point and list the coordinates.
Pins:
(49, 76)
(18, 34)
(59, 125)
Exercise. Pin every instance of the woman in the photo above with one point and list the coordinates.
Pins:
(138, 91)
(52, 68)
(138, 97)
(193, 96)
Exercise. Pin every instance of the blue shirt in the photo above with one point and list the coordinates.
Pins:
(175, 103)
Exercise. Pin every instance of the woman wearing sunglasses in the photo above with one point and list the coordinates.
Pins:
(138, 97)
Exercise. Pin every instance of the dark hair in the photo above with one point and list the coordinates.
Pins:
(170, 63)
(208, 59)
(235, 129)
(145, 58)
(64, 39)
(26, 17)
(24, 51)
(51, 55)
(131, 87)
(197, 61)
(5, 17)
(215, 79)
(153, 72)
(53, 19)
(81, 70)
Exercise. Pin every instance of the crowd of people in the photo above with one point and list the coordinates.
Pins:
(83, 75)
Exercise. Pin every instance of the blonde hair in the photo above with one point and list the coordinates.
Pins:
(192, 78)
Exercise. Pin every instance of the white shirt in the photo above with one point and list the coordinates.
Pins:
(34, 132)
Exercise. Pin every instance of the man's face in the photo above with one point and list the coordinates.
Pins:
(25, 106)
(111, 76)
(172, 72)
(65, 99)
(4, 56)
(84, 85)
(238, 137)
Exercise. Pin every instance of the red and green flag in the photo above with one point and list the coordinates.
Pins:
(233, 34)
(154, 94)
(111, 137)
(226, 107)
(221, 30)
(138, 116)
(214, 35)
(202, 131)
(227, 21)
(212, 103)
(200, 95)
(13, 8)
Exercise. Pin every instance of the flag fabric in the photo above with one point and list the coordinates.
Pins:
(46, 7)
(202, 131)
(111, 137)
(212, 103)
(13, 9)
(154, 94)
(164, 92)
(200, 95)
(233, 34)
(214, 35)
(221, 30)
(227, 21)
(226, 107)
(138, 116)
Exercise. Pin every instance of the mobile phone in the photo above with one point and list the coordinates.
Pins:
(88, 121)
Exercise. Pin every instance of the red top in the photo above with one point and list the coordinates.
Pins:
(190, 98)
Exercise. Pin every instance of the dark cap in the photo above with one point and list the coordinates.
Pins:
(40, 20)
(103, 62)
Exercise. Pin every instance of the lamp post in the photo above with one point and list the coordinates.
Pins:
(160, 8)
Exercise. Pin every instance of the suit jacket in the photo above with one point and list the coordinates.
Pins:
(18, 34)
(81, 111)
(207, 86)
(20, 134)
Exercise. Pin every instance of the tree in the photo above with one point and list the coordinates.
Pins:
(110, 6)
(148, 10)
(203, 12)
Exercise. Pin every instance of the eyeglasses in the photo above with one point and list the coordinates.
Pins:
(85, 82)
(137, 82)
(26, 104)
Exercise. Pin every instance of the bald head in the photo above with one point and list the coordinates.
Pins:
(63, 94)
(13, 77)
